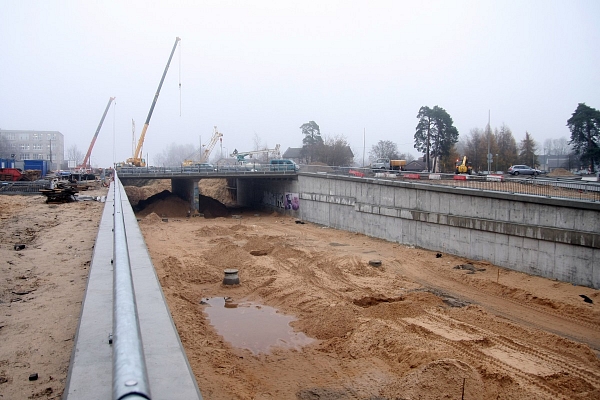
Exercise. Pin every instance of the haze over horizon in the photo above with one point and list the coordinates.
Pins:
(267, 67)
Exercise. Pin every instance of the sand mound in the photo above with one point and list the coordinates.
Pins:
(152, 218)
(212, 208)
(217, 189)
(164, 204)
(560, 172)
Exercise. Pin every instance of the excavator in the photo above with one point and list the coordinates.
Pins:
(463, 167)
(206, 153)
(86, 161)
(241, 156)
(137, 160)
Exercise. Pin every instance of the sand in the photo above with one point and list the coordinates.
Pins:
(415, 327)
(41, 289)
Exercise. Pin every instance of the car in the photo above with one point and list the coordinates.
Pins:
(523, 170)
(283, 165)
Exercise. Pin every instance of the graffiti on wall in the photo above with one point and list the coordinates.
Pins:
(287, 201)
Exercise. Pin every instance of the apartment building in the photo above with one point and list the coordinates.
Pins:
(33, 145)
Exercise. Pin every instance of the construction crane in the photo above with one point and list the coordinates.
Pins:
(86, 160)
(242, 156)
(137, 159)
(213, 141)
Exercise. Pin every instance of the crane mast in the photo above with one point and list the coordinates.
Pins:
(213, 141)
(86, 160)
(137, 154)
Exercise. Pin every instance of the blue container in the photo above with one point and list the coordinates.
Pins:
(7, 163)
(39, 165)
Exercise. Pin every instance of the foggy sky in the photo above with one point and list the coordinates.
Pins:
(267, 67)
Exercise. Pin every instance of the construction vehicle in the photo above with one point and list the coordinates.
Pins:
(241, 156)
(137, 160)
(464, 166)
(86, 160)
(389, 165)
(206, 153)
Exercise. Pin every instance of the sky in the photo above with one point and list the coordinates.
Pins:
(261, 69)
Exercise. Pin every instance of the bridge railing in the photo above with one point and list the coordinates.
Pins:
(567, 188)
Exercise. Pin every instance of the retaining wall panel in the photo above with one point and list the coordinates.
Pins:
(546, 259)
(501, 250)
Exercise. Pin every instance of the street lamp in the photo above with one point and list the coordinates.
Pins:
(496, 163)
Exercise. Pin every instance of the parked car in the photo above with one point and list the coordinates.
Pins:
(523, 170)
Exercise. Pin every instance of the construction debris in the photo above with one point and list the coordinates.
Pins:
(62, 193)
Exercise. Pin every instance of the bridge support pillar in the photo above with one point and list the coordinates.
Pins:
(187, 189)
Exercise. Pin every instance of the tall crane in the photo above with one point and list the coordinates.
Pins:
(86, 160)
(137, 159)
(241, 156)
(213, 141)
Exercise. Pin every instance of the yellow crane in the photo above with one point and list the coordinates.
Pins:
(207, 150)
(137, 159)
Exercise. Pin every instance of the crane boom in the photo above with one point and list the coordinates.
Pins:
(86, 160)
(137, 155)
(215, 137)
(241, 156)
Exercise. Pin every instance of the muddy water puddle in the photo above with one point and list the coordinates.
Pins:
(253, 326)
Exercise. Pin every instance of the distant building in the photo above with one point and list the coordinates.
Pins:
(415, 166)
(34, 145)
(294, 154)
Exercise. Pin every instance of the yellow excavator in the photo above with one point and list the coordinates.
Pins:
(137, 160)
(463, 167)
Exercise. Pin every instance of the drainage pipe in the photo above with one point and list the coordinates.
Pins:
(130, 376)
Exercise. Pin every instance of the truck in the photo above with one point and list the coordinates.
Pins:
(463, 167)
(388, 165)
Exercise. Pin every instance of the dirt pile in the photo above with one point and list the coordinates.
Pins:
(217, 189)
(211, 208)
(560, 172)
(164, 204)
(137, 193)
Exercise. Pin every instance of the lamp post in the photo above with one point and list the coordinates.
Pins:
(496, 163)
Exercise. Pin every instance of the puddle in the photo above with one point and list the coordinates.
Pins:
(255, 327)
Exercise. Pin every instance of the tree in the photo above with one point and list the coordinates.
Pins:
(527, 150)
(74, 154)
(174, 154)
(384, 149)
(506, 148)
(435, 134)
(584, 125)
(312, 140)
(335, 151)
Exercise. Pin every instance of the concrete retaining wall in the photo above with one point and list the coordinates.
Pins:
(554, 238)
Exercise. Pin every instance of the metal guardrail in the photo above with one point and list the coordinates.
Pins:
(541, 186)
(219, 171)
(130, 376)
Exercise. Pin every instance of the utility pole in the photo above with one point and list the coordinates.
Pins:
(489, 155)
(364, 145)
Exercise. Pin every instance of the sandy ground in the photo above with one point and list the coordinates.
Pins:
(413, 328)
(41, 289)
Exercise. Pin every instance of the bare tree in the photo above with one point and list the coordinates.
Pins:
(335, 151)
(384, 149)
(74, 154)
(174, 155)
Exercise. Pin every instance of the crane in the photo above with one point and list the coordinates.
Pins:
(241, 156)
(137, 159)
(86, 160)
(213, 141)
